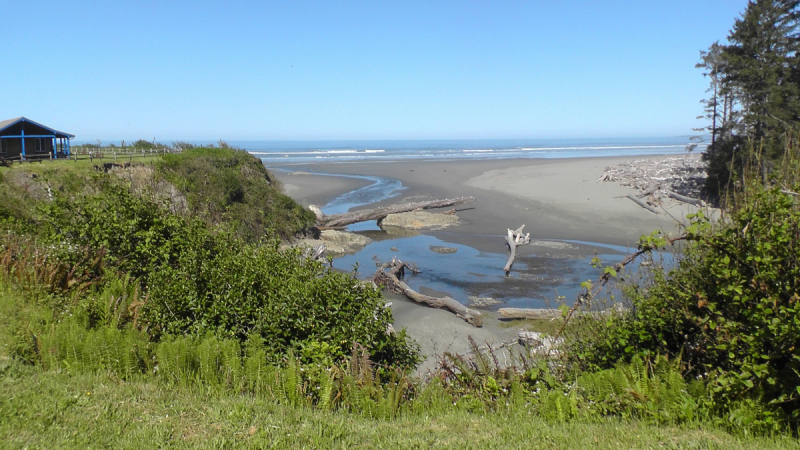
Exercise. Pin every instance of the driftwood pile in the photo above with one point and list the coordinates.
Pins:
(679, 177)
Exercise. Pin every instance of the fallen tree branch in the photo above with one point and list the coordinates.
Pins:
(314, 253)
(684, 199)
(525, 313)
(587, 296)
(653, 188)
(391, 281)
(489, 348)
(643, 204)
(340, 220)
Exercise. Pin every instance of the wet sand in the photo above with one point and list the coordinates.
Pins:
(555, 199)
(308, 189)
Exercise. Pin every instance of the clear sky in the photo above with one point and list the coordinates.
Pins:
(358, 69)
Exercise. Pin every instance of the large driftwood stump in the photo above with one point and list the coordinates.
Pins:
(341, 220)
(514, 239)
(391, 281)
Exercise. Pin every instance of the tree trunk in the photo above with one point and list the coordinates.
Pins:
(524, 313)
(391, 282)
(683, 198)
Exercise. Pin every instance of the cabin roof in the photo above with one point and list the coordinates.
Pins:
(10, 122)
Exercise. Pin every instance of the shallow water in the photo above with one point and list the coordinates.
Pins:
(535, 280)
(540, 278)
(382, 188)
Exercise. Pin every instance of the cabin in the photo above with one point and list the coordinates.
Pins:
(24, 140)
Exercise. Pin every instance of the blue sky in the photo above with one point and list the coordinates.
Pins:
(239, 70)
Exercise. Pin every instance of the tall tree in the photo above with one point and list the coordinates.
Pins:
(755, 86)
(711, 61)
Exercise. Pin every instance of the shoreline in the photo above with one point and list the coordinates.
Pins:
(557, 199)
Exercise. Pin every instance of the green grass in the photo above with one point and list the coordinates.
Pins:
(79, 166)
(63, 410)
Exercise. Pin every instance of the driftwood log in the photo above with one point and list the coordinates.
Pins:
(530, 339)
(683, 198)
(341, 220)
(514, 239)
(391, 281)
(524, 313)
(314, 253)
(643, 204)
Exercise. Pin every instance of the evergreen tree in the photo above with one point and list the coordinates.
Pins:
(755, 87)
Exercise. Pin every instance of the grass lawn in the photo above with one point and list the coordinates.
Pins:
(60, 410)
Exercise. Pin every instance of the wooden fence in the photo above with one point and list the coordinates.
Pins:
(92, 153)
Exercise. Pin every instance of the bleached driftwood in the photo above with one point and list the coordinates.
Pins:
(314, 253)
(529, 339)
(683, 198)
(681, 175)
(391, 281)
(526, 313)
(514, 239)
(340, 220)
(643, 204)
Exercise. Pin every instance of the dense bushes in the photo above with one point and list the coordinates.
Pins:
(114, 251)
(197, 281)
(728, 311)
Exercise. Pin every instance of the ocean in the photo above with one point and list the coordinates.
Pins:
(287, 152)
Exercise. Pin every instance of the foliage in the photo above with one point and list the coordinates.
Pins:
(73, 409)
(226, 185)
(179, 277)
(278, 296)
(728, 312)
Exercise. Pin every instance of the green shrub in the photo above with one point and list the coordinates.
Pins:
(198, 281)
(728, 311)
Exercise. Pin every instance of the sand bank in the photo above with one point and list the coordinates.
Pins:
(308, 189)
(556, 199)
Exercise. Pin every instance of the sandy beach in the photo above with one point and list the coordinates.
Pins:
(308, 189)
(557, 199)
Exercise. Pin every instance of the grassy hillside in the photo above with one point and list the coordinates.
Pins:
(221, 186)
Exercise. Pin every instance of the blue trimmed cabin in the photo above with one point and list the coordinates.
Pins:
(23, 139)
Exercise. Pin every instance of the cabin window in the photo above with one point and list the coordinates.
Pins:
(3, 146)
(39, 145)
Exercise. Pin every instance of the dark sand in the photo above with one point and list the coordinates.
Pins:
(308, 189)
(555, 199)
